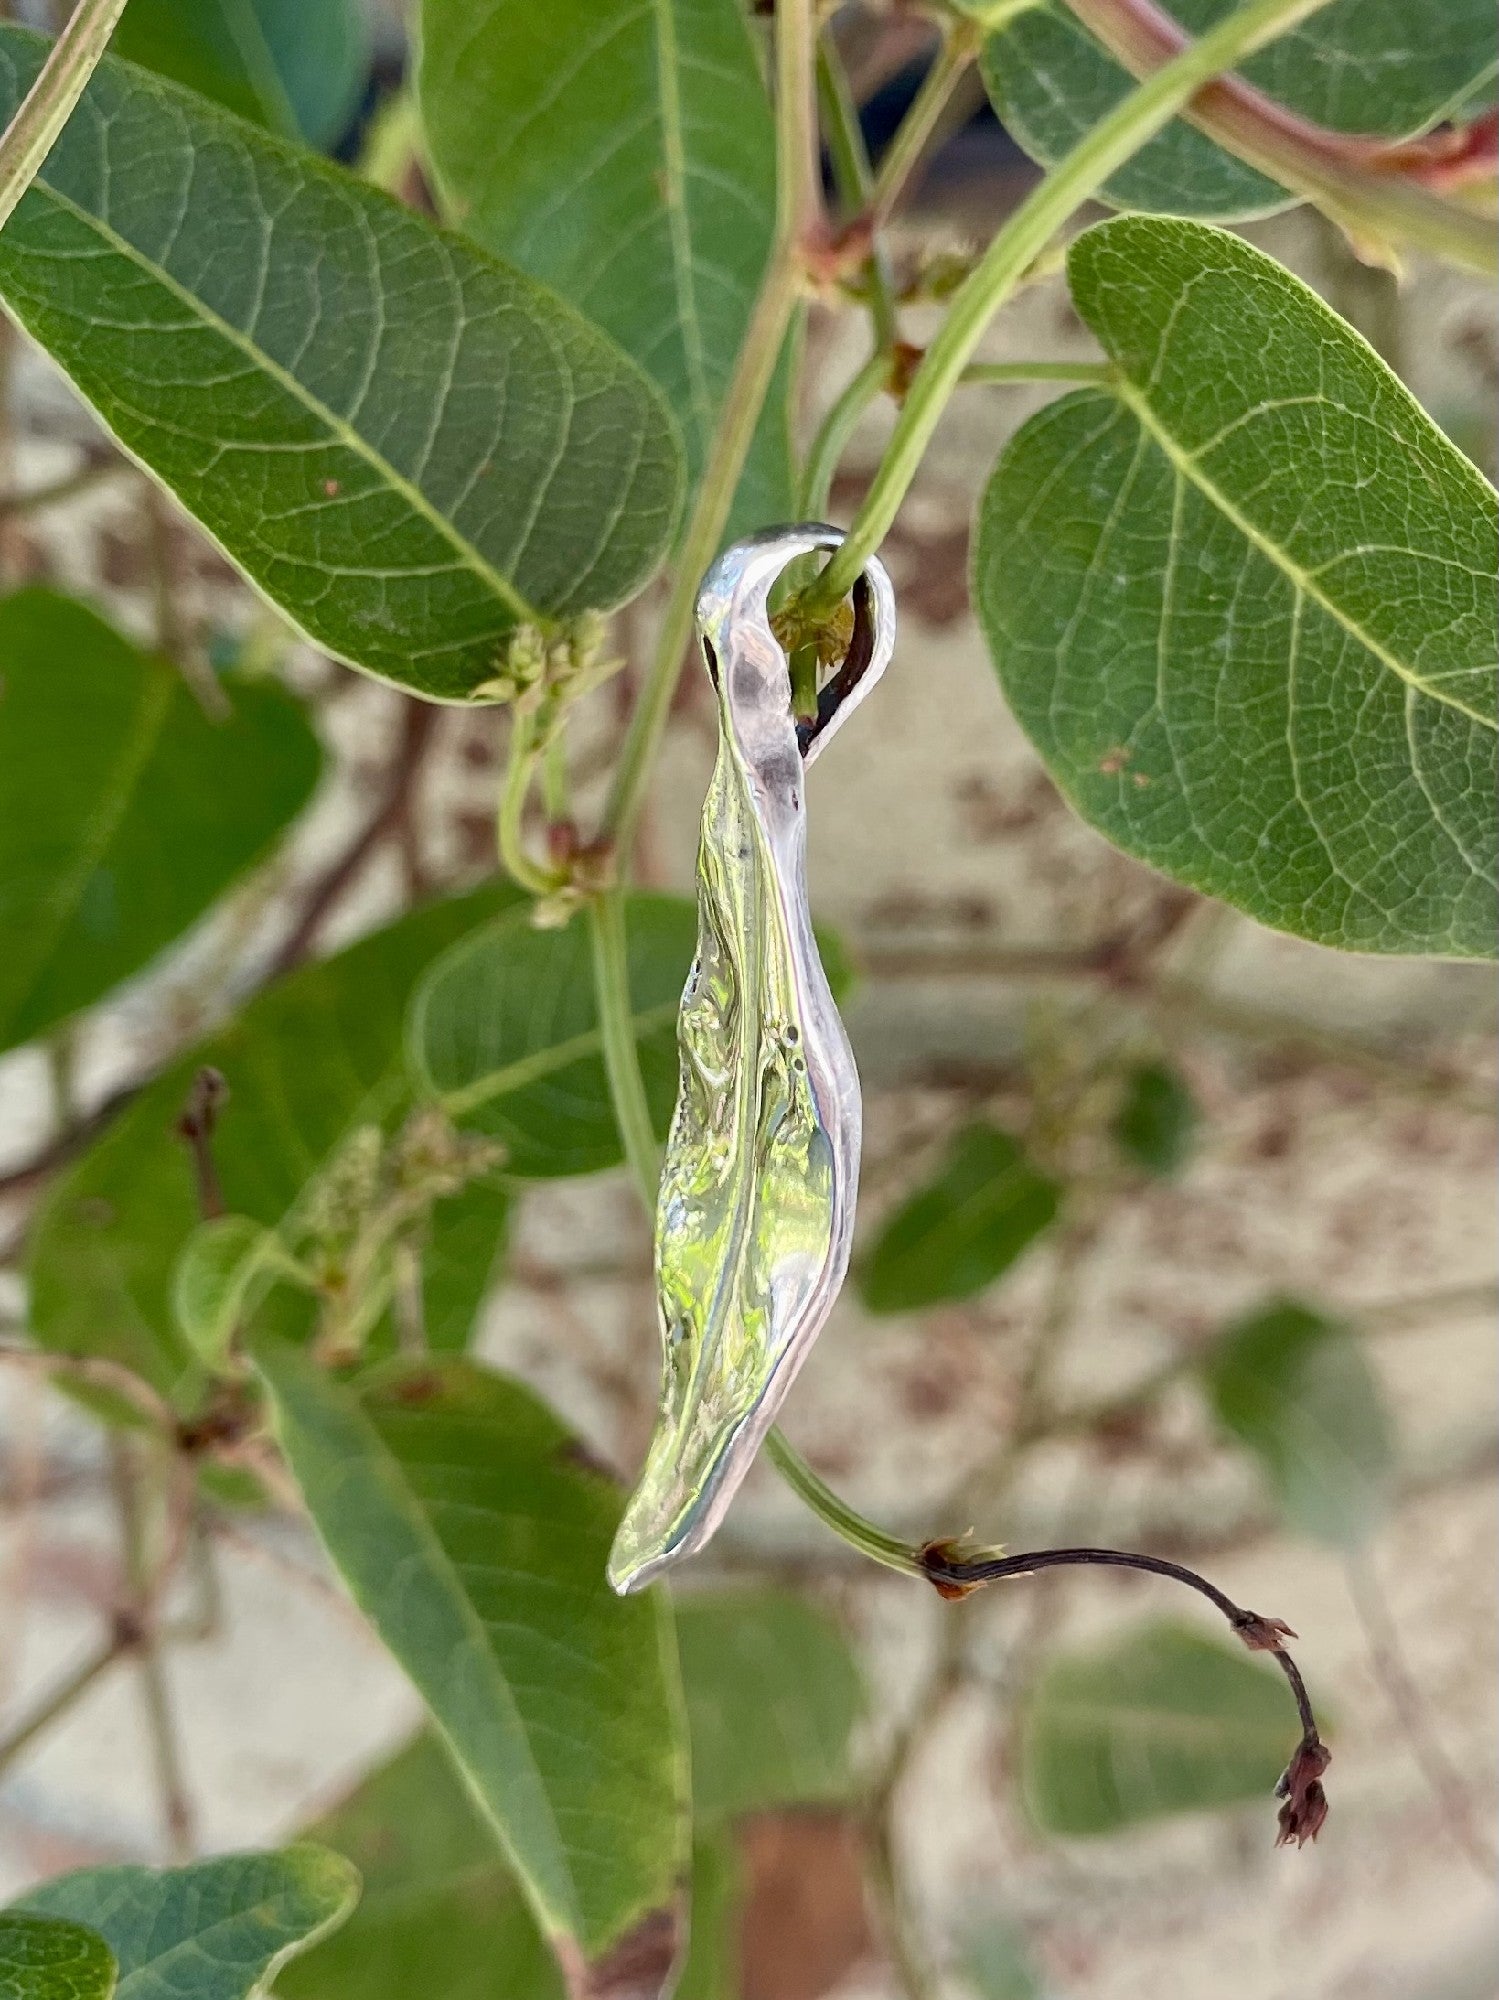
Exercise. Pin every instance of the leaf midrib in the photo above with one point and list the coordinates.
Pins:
(392, 1476)
(341, 430)
(1189, 469)
(674, 201)
(543, 1063)
(247, 32)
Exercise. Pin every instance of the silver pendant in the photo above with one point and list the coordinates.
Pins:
(755, 1215)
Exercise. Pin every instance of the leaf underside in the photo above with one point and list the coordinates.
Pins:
(406, 446)
(1242, 602)
(623, 152)
(216, 1931)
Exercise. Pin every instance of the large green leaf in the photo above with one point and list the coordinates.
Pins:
(296, 68)
(1163, 1721)
(305, 1061)
(1242, 602)
(1382, 67)
(408, 447)
(504, 1032)
(622, 151)
(1298, 1391)
(217, 1931)
(124, 811)
(440, 1914)
(43, 1958)
(961, 1231)
(473, 1533)
(773, 1694)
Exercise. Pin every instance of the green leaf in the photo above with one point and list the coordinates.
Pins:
(295, 68)
(473, 1533)
(773, 1694)
(624, 153)
(1380, 67)
(44, 1959)
(1160, 1722)
(305, 1061)
(214, 1280)
(465, 1250)
(711, 1971)
(124, 811)
(1242, 603)
(1297, 1390)
(963, 1230)
(217, 1931)
(440, 1914)
(504, 1033)
(1157, 1118)
(408, 447)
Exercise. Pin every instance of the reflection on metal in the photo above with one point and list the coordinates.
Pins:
(756, 1209)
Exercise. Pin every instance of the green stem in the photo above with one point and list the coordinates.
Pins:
(797, 197)
(49, 103)
(1345, 175)
(833, 434)
(55, 1705)
(611, 985)
(1038, 371)
(960, 44)
(852, 1527)
(855, 179)
(519, 770)
(1099, 154)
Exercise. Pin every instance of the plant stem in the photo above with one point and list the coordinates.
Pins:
(796, 207)
(55, 1705)
(611, 985)
(49, 103)
(855, 178)
(998, 372)
(851, 1527)
(960, 45)
(834, 432)
(1357, 180)
(519, 770)
(1100, 153)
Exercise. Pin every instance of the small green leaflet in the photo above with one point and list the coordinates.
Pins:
(1156, 1119)
(623, 153)
(1297, 1390)
(1384, 68)
(114, 838)
(407, 446)
(964, 1229)
(1162, 1721)
(297, 68)
(217, 1931)
(43, 1958)
(1287, 705)
(472, 1531)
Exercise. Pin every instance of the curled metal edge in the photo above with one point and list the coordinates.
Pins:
(677, 1507)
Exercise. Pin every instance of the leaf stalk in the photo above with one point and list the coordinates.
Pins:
(48, 105)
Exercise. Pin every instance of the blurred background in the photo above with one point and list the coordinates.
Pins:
(1006, 1796)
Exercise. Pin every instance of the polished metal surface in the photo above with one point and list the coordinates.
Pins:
(756, 1209)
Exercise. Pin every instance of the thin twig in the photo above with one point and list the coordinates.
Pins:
(1445, 1781)
(418, 731)
(121, 1642)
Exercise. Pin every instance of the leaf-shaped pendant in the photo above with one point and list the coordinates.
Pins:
(756, 1209)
